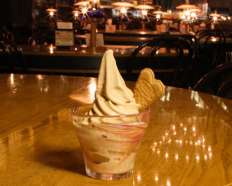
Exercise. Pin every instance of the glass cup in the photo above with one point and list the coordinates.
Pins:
(109, 143)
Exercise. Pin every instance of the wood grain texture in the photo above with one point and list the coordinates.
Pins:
(187, 143)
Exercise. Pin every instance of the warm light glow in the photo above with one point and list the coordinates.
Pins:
(51, 49)
(191, 142)
(83, 51)
(185, 15)
(193, 15)
(94, 2)
(122, 52)
(39, 77)
(12, 80)
(166, 134)
(197, 157)
(168, 182)
(215, 18)
(213, 39)
(224, 106)
(92, 88)
(186, 7)
(123, 10)
(163, 138)
(156, 178)
(142, 32)
(194, 129)
(158, 16)
(210, 155)
(185, 129)
(223, 18)
(144, 7)
(84, 10)
(139, 177)
(168, 96)
(51, 12)
(173, 127)
(144, 12)
(203, 139)
(75, 14)
(12, 84)
(82, 3)
(166, 155)
(176, 156)
(190, 14)
(122, 4)
(153, 148)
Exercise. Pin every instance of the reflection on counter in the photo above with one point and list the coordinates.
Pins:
(186, 144)
(85, 95)
(42, 83)
(13, 141)
(12, 84)
(197, 99)
(157, 180)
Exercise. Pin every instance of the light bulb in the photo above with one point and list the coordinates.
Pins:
(75, 14)
(123, 10)
(144, 12)
(84, 10)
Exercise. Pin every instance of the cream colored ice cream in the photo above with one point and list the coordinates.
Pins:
(111, 130)
(113, 97)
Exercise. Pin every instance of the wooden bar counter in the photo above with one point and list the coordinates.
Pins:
(188, 141)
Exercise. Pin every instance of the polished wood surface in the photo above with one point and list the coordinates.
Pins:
(188, 141)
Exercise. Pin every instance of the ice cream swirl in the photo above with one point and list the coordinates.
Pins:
(112, 97)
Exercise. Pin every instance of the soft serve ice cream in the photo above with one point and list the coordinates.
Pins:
(111, 130)
(113, 97)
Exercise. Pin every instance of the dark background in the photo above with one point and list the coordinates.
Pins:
(18, 13)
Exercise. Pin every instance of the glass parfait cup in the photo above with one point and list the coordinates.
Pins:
(109, 143)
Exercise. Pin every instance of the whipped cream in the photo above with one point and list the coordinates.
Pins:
(112, 96)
